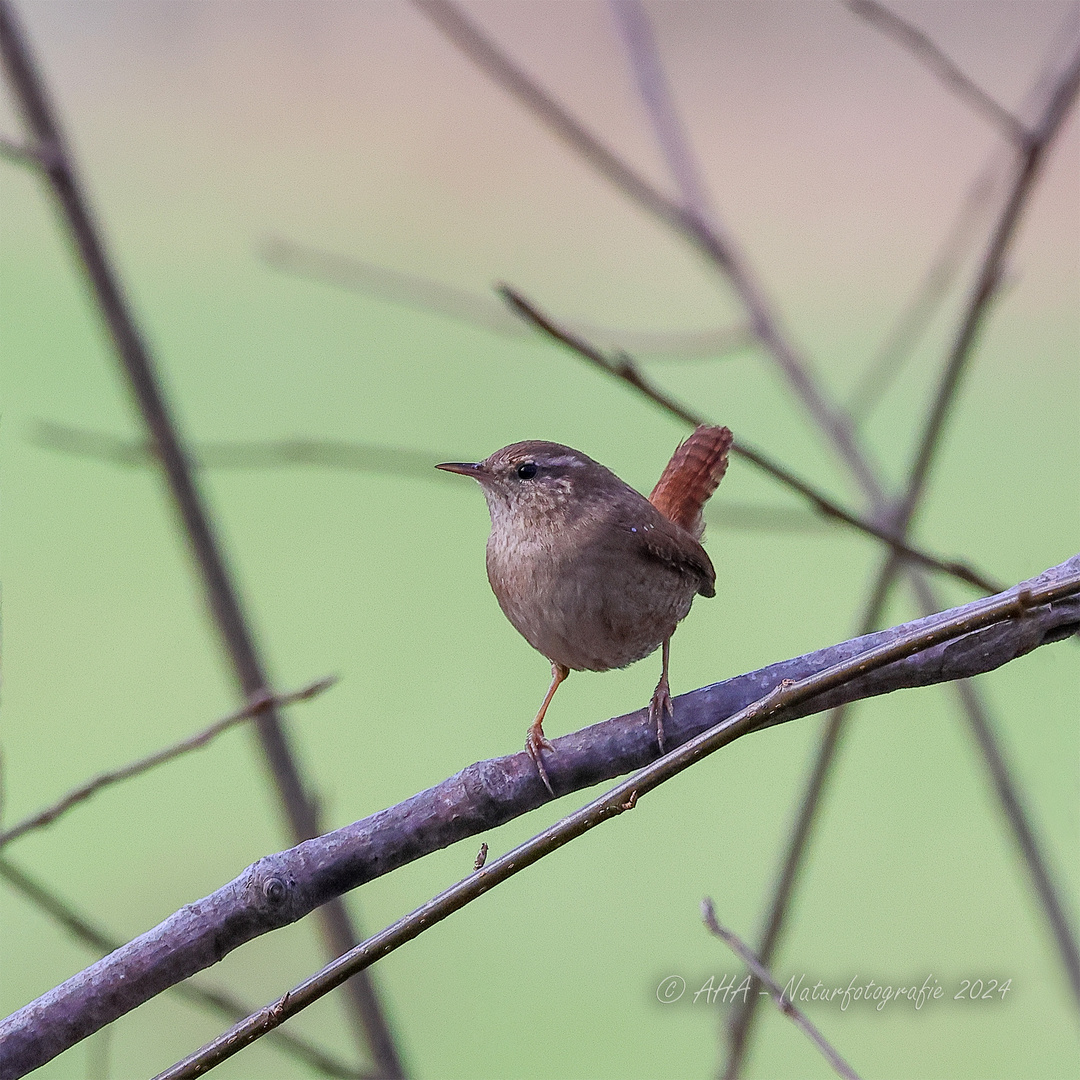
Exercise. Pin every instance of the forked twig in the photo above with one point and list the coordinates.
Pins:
(783, 1003)
(985, 190)
(159, 757)
(986, 282)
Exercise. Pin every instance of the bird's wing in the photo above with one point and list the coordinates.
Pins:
(671, 544)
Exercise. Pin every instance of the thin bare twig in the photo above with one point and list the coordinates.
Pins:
(215, 1001)
(624, 796)
(279, 889)
(932, 56)
(989, 273)
(719, 249)
(32, 99)
(423, 294)
(783, 1003)
(913, 320)
(159, 757)
(624, 368)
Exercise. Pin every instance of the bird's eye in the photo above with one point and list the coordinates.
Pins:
(527, 470)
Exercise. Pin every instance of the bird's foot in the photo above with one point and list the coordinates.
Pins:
(536, 742)
(661, 703)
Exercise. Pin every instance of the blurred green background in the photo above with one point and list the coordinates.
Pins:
(201, 130)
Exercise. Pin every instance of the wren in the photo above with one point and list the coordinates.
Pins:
(591, 573)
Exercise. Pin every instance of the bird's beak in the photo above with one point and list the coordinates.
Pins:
(475, 469)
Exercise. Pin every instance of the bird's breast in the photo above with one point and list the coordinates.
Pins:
(585, 601)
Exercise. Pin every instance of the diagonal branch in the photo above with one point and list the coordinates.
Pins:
(911, 324)
(987, 280)
(279, 889)
(212, 1000)
(930, 54)
(624, 368)
(989, 188)
(33, 101)
(159, 757)
(652, 83)
(1012, 805)
(783, 1003)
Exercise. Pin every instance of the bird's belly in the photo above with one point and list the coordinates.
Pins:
(590, 614)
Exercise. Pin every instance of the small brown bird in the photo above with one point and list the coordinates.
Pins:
(591, 573)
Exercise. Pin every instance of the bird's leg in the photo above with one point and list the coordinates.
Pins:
(536, 741)
(661, 699)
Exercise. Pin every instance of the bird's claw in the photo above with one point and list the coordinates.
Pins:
(536, 742)
(661, 703)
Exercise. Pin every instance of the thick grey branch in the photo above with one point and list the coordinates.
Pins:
(212, 999)
(279, 889)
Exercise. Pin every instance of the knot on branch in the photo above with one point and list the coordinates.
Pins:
(274, 896)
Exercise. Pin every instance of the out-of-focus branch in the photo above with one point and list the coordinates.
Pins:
(783, 1003)
(212, 1000)
(1011, 801)
(428, 296)
(989, 189)
(623, 797)
(913, 320)
(991, 266)
(18, 153)
(58, 169)
(719, 249)
(931, 55)
(279, 889)
(637, 33)
(1041, 138)
(151, 761)
(624, 368)
(366, 457)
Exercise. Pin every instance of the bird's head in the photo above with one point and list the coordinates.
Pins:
(534, 481)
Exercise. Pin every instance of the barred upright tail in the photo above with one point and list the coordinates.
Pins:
(691, 476)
